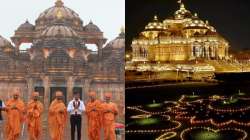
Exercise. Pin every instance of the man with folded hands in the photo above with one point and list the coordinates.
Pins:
(75, 109)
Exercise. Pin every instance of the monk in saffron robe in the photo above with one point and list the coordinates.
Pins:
(15, 109)
(34, 114)
(109, 112)
(93, 111)
(57, 117)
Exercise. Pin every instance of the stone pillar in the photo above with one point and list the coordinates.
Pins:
(17, 45)
(85, 88)
(215, 53)
(70, 84)
(30, 83)
(207, 52)
(197, 51)
(211, 51)
(133, 52)
(192, 51)
(141, 52)
(46, 84)
(136, 52)
(99, 46)
(203, 52)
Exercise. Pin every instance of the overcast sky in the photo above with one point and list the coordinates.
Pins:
(109, 15)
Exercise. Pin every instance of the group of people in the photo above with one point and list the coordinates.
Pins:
(99, 115)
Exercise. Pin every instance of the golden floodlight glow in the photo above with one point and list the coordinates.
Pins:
(185, 37)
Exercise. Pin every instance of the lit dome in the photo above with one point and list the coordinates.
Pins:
(26, 27)
(91, 27)
(59, 30)
(195, 23)
(154, 25)
(211, 28)
(182, 12)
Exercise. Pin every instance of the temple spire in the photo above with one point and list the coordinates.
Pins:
(182, 6)
(122, 29)
(122, 32)
(59, 3)
(155, 18)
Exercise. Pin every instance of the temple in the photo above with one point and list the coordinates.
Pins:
(59, 58)
(183, 37)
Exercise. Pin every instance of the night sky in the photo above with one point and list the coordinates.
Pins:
(231, 18)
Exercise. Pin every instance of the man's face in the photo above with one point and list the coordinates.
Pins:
(17, 92)
(59, 98)
(77, 96)
(36, 98)
(59, 95)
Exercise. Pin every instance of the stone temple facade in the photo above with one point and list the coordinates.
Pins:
(59, 59)
(183, 37)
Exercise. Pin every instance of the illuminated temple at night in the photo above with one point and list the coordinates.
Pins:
(59, 58)
(183, 37)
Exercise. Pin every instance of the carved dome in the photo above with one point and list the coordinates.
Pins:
(183, 12)
(26, 27)
(154, 25)
(4, 42)
(58, 12)
(118, 42)
(197, 23)
(59, 31)
(91, 27)
(5, 45)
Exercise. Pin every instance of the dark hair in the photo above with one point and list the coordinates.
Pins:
(76, 92)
